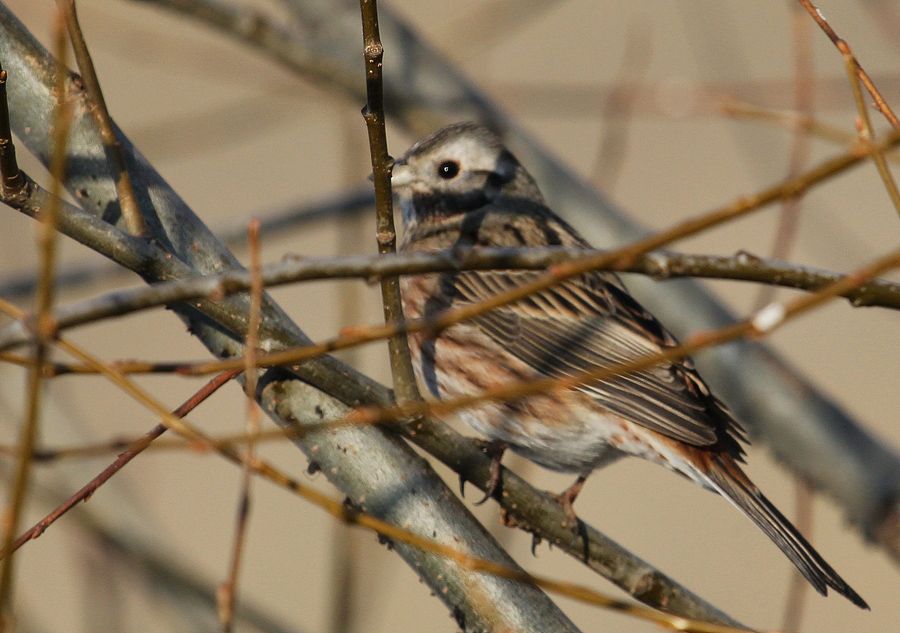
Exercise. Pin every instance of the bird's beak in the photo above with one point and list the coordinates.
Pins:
(401, 174)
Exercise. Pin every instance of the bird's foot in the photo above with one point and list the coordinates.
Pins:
(493, 449)
(567, 498)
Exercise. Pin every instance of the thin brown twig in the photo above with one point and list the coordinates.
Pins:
(789, 215)
(227, 594)
(373, 113)
(798, 589)
(859, 71)
(133, 449)
(785, 235)
(791, 120)
(97, 449)
(47, 239)
(658, 264)
(115, 156)
(866, 132)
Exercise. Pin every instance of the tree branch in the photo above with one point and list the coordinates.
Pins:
(373, 113)
(657, 264)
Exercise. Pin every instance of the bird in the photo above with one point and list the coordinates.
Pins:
(462, 188)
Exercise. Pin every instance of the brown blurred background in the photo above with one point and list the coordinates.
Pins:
(237, 136)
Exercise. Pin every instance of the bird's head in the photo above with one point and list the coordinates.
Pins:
(459, 168)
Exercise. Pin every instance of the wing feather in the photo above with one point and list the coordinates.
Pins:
(590, 322)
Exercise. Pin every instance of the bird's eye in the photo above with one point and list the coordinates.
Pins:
(448, 169)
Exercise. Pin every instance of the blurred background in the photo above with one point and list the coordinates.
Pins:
(631, 95)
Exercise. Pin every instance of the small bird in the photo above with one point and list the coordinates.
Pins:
(460, 188)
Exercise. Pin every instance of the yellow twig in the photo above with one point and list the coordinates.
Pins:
(44, 329)
(227, 594)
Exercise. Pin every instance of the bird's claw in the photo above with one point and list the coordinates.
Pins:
(494, 450)
(567, 499)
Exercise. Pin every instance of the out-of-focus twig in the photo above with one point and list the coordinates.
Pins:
(785, 237)
(617, 107)
(496, 21)
(798, 590)
(47, 244)
(789, 215)
(227, 594)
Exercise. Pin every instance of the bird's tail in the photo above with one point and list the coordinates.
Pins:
(729, 480)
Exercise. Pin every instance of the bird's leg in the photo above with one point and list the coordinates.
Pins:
(493, 449)
(567, 497)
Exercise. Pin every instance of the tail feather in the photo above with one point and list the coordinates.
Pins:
(730, 481)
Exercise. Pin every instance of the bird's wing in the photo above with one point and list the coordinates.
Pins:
(590, 322)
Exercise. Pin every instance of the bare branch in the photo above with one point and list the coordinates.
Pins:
(844, 49)
(373, 52)
(228, 589)
(47, 246)
(866, 132)
(658, 264)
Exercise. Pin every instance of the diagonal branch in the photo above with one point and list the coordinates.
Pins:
(844, 49)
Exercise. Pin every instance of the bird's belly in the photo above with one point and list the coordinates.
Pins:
(564, 429)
